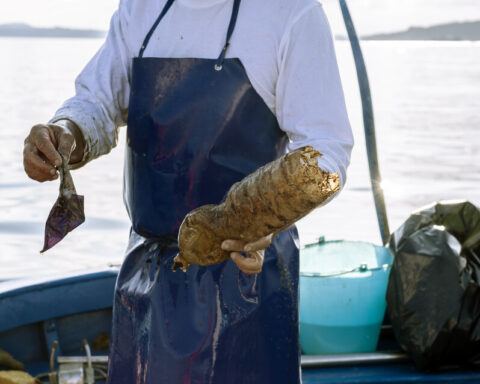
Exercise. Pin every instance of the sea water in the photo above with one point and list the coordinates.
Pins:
(426, 98)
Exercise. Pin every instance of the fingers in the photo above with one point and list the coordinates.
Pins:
(239, 245)
(40, 155)
(251, 264)
(35, 166)
(40, 137)
(258, 245)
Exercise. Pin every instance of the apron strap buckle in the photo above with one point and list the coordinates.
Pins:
(219, 63)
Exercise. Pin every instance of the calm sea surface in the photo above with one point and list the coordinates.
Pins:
(426, 97)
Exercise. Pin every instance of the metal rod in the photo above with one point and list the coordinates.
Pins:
(319, 361)
(361, 268)
(308, 361)
(369, 125)
(82, 359)
(88, 352)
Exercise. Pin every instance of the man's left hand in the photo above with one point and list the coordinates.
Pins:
(253, 262)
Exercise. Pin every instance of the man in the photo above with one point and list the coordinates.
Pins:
(211, 90)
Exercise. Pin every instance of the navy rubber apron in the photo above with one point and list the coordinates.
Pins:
(195, 127)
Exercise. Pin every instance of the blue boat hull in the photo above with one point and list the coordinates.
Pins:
(77, 306)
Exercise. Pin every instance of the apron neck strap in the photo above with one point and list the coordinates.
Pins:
(154, 26)
(231, 27)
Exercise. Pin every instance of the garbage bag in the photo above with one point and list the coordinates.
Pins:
(433, 293)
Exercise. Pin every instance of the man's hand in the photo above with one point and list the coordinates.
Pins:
(43, 145)
(253, 263)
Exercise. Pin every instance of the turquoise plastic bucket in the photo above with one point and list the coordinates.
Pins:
(342, 296)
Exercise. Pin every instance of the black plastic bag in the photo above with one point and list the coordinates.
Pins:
(433, 293)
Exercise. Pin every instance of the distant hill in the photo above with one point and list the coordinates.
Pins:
(25, 30)
(452, 31)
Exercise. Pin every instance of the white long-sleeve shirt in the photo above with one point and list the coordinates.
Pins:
(285, 46)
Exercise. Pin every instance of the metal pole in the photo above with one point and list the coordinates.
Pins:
(353, 359)
(308, 361)
(369, 125)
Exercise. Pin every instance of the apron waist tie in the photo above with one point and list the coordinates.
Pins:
(161, 245)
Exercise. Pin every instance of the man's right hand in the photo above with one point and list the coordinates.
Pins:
(43, 145)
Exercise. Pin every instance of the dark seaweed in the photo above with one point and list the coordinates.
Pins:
(67, 212)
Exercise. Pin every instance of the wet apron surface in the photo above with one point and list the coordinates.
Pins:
(195, 127)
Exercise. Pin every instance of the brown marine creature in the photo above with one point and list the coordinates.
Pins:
(265, 202)
(67, 212)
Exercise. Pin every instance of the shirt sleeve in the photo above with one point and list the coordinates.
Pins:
(100, 104)
(310, 103)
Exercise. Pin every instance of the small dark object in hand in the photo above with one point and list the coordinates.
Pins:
(67, 213)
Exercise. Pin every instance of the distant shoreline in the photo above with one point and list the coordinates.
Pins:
(24, 30)
(2, 36)
(464, 31)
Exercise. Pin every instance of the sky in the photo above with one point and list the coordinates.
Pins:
(370, 16)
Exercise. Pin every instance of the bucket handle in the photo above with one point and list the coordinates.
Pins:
(361, 268)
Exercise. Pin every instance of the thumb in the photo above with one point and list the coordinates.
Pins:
(66, 145)
(258, 245)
